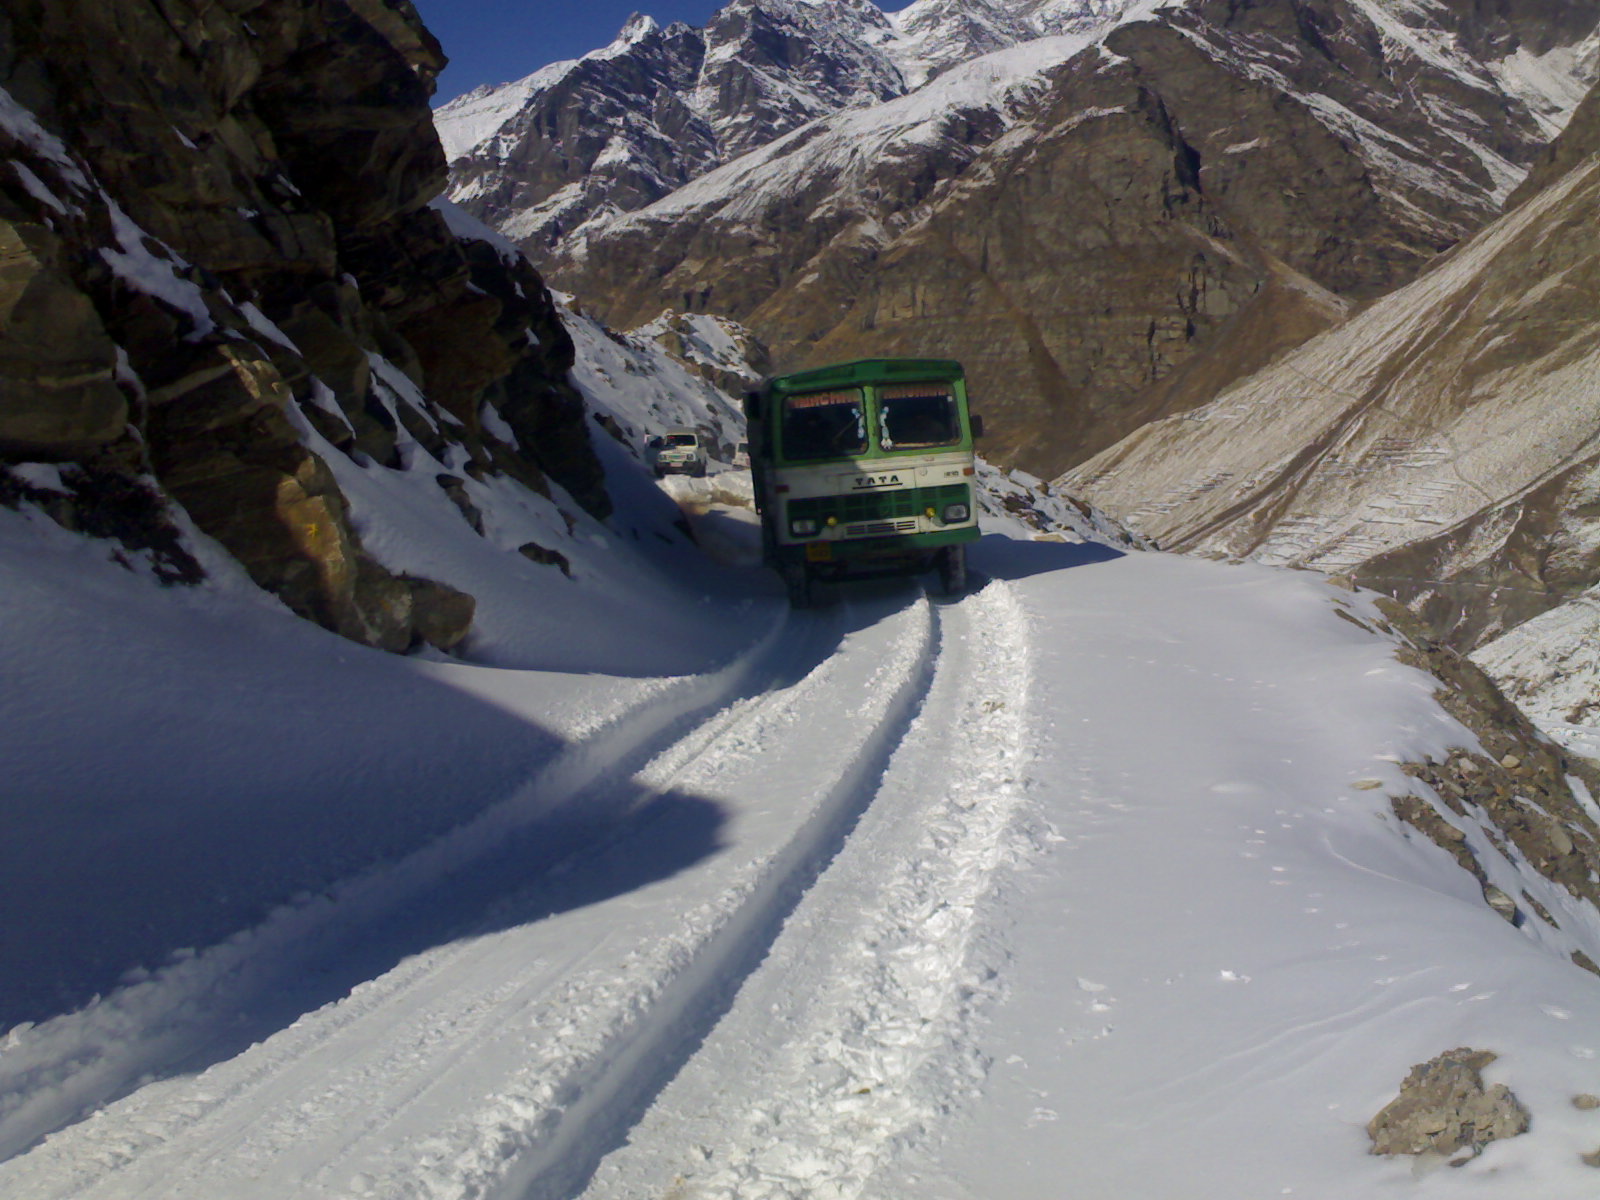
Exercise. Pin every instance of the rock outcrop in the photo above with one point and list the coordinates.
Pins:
(1116, 238)
(219, 265)
(1514, 808)
(1445, 1109)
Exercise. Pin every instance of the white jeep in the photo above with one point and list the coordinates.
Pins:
(680, 449)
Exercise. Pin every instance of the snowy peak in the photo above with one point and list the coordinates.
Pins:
(627, 124)
(636, 29)
(936, 34)
(773, 65)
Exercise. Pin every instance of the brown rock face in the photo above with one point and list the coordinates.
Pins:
(211, 229)
(1173, 212)
(57, 392)
(1438, 447)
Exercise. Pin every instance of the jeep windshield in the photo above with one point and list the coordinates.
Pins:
(824, 425)
(917, 415)
(682, 439)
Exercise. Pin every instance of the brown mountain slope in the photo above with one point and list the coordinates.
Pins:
(1443, 445)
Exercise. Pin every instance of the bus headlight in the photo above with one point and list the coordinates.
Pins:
(954, 513)
(804, 527)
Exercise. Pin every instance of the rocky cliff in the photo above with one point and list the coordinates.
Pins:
(1108, 228)
(1440, 446)
(219, 265)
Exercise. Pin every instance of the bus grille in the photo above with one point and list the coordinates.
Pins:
(881, 528)
(860, 508)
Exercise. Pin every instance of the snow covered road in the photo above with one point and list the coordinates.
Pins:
(906, 898)
(536, 1030)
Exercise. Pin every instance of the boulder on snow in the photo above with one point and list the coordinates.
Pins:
(440, 615)
(1444, 1108)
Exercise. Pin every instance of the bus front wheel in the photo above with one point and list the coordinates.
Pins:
(953, 570)
(797, 579)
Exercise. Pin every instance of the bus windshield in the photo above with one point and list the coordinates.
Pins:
(922, 414)
(824, 424)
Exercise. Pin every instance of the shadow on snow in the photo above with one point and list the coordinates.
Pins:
(444, 818)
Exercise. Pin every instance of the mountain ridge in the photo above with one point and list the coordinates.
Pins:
(679, 101)
(1116, 217)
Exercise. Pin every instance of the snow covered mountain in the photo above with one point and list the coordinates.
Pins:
(1107, 227)
(658, 107)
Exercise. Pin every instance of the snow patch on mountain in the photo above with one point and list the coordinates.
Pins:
(637, 388)
(472, 119)
(1551, 84)
(848, 146)
(1550, 666)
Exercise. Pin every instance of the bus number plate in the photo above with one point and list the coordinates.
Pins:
(819, 552)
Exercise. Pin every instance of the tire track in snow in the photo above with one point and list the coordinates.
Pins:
(818, 754)
(466, 1061)
(60, 1071)
(848, 1039)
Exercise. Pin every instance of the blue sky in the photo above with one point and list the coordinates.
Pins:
(495, 41)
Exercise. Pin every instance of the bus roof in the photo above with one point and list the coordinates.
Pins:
(866, 371)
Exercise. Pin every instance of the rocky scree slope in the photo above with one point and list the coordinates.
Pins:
(1109, 228)
(1441, 446)
(578, 142)
(218, 253)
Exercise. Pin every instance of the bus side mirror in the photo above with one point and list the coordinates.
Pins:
(752, 402)
(977, 426)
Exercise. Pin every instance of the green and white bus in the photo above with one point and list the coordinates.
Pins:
(865, 468)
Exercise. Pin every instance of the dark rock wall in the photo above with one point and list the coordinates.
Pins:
(179, 169)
